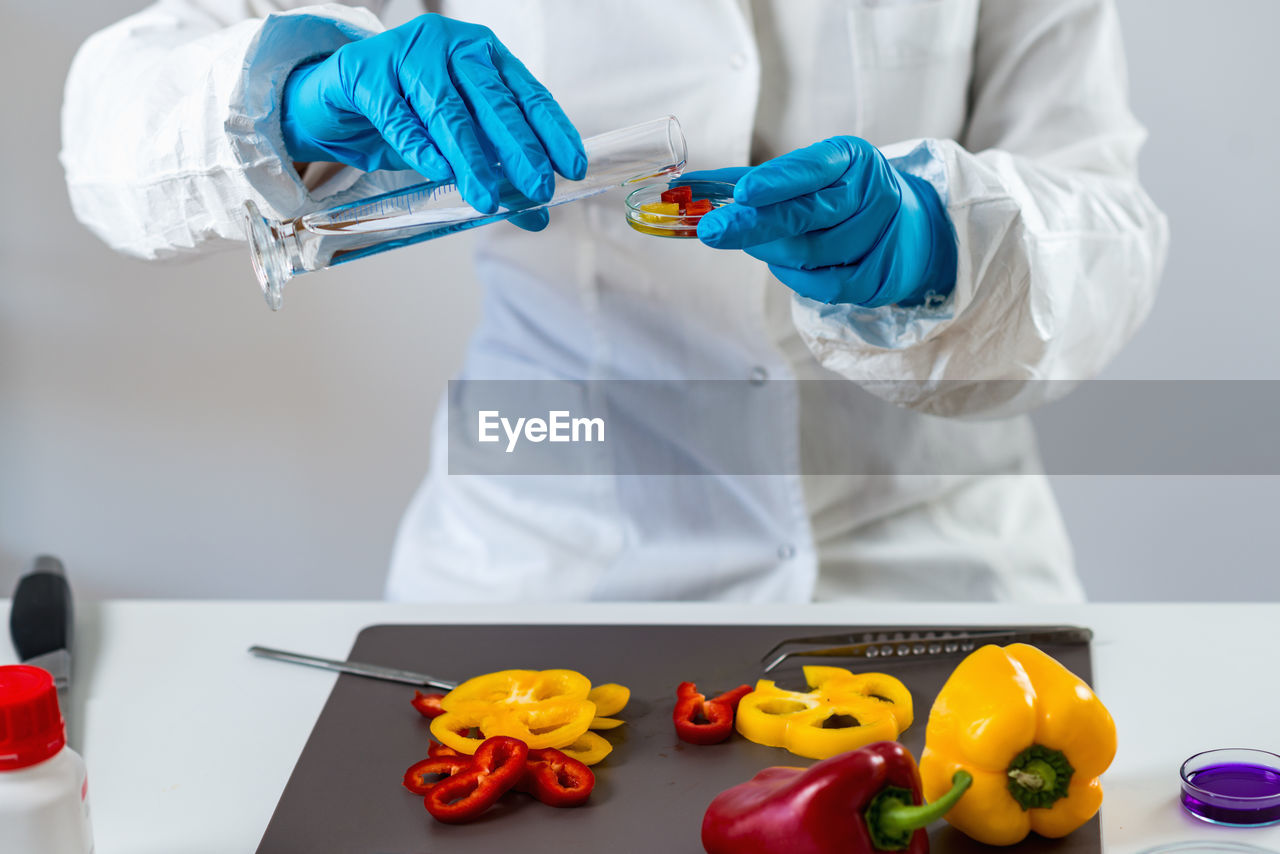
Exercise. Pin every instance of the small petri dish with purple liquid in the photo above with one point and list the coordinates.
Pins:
(1234, 786)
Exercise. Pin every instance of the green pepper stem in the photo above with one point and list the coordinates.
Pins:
(1036, 776)
(1039, 776)
(906, 818)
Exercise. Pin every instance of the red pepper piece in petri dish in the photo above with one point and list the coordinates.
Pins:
(680, 195)
(693, 212)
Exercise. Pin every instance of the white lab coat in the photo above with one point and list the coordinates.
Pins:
(1014, 109)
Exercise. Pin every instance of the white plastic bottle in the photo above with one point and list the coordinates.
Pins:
(44, 806)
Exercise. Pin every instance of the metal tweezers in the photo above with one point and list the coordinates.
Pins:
(372, 671)
(913, 643)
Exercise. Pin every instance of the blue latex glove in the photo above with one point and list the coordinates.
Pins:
(837, 223)
(439, 96)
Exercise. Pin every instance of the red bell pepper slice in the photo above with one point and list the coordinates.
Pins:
(679, 195)
(702, 721)
(418, 778)
(436, 749)
(555, 779)
(693, 213)
(498, 764)
(696, 209)
(428, 705)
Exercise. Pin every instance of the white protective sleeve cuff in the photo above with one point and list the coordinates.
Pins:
(284, 42)
(1057, 266)
(829, 329)
(170, 123)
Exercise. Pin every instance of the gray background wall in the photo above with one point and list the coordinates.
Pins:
(167, 436)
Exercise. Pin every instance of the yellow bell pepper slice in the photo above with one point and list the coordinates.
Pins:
(600, 723)
(878, 686)
(1032, 734)
(543, 708)
(589, 748)
(843, 712)
(518, 687)
(610, 698)
(764, 715)
(548, 724)
(839, 727)
(462, 729)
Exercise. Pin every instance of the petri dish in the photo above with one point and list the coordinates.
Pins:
(1239, 787)
(648, 213)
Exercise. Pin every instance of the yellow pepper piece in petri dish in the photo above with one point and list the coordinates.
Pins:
(659, 211)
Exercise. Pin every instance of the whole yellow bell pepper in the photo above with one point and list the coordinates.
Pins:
(1032, 734)
(844, 712)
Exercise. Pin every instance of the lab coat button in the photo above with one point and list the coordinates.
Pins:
(786, 551)
(738, 61)
(758, 375)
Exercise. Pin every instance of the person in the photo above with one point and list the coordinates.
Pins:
(936, 207)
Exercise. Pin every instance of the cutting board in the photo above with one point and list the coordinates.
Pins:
(345, 794)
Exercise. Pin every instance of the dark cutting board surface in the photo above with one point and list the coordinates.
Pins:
(345, 794)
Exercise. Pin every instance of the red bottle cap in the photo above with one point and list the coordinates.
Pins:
(31, 727)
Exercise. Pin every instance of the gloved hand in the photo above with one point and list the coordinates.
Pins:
(439, 96)
(837, 223)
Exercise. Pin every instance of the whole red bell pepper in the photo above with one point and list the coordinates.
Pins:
(556, 779)
(498, 764)
(861, 801)
(702, 721)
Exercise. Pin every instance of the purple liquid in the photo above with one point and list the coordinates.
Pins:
(1234, 793)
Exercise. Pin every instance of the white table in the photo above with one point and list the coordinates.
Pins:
(189, 740)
